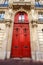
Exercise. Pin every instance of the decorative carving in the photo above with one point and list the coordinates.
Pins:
(21, 9)
(8, 23)
(21, 0)
(34, 23)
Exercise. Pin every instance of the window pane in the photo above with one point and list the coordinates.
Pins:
(19, 17)
(22, 17)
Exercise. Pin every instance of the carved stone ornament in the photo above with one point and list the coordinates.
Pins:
(34, 23)
(21, 9)
(8, 23)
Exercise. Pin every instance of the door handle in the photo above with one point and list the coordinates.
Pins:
(25, 46)
(15, 46)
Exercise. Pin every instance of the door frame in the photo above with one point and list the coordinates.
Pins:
(28, 23)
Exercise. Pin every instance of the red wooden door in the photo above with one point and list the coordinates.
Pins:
(26, 51)
(21, 36)
(16, 42)
(21, 41)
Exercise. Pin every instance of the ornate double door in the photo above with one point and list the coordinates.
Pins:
(21, 41)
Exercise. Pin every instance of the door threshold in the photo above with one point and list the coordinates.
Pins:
(22, 58)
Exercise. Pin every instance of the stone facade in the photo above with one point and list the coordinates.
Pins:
(36, 28)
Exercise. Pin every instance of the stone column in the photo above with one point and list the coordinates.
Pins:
(8, 18)
(34, 42)
(7, 38)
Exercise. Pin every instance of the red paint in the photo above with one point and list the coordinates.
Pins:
(21, 39)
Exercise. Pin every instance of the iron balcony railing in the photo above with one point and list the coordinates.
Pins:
(37, 4)
(4, 3)
(21, 2)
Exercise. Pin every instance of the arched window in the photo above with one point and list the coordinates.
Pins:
(21, 17)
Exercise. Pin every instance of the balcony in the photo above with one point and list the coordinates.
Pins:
(39, 4)
(20, 2)
(3, 3)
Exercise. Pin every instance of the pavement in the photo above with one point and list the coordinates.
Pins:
(20, 62)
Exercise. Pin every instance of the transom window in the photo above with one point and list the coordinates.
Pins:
(21, 18)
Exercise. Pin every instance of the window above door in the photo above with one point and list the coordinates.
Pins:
(21, 18)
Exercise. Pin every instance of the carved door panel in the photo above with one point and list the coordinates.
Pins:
(21, 41)
(26, 51)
